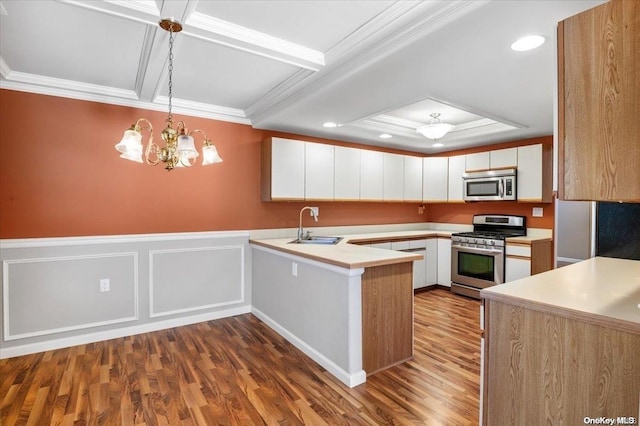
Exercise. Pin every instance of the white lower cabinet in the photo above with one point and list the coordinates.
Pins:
(516, 268)
(517, 262)
(431, 265)
(419, 270)
(444, 262)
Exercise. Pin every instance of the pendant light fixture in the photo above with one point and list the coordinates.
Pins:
(435, 129)
(179, 148)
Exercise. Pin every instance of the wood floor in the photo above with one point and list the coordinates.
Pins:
(237, 371)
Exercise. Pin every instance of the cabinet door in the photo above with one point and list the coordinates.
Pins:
(503, 158)
(412, 178)
(477, 161)
(347, 174)
(444, 262)
(419, 277)
(598, 106)
(516, 268)
(318, 172)
(530, 173)
(286, 166)
(371, 172)
(456, 169)
(431, 265)
(435, 171)
(393, 177)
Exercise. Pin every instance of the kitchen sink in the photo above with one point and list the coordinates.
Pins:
(317, 240)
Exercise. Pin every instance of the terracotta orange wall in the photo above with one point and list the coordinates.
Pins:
(61, 176)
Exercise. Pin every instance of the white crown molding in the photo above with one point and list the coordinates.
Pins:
(143, 11)
(200, 109)
(420, 19)
(222, 32)
(53, 84)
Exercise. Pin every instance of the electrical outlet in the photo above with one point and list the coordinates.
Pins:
(537, 212)
(294, 269)
(316, 210)
(104, 285)
(420, 209)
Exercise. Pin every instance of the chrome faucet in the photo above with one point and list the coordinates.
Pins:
(300, 230)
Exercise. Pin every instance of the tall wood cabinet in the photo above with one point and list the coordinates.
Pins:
(599, 103)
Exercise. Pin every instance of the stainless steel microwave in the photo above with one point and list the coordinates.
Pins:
(490, 185)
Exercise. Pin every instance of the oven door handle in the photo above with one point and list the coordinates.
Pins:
(478, 250)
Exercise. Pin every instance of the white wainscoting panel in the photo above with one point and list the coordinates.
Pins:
(53, 295)
(190, 279)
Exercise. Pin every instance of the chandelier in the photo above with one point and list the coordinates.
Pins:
(435, 129)
(179, 148)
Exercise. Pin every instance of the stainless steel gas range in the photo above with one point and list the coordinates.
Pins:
(477, 257)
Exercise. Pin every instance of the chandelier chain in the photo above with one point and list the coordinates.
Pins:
(170, 118)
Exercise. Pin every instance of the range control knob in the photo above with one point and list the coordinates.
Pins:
(493, 243)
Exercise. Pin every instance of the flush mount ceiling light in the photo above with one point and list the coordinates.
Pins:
(329, 124)
(527, 43)
(435, 129)
(385, 136)
(179, 149)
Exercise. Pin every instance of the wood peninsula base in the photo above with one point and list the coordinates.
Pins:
(387, 316)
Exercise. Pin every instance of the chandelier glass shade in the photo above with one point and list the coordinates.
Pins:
(179, 148)
(435, 129)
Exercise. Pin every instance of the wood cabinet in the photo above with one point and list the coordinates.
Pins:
(282, 173)
(598, 103)
(393, 177)
(535, 173)
(456, 170)
(371, 175)
(412, 178)
(346, 174)
(523, 259)
(548, 365)
(435, 177)
(387, 316)
(318, 171)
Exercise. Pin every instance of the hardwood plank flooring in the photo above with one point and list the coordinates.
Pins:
(237, 371)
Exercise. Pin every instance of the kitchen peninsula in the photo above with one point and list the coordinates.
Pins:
(563, 345)
(348, 307)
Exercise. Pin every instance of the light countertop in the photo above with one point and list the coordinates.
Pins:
(601, 289)
(348, 254)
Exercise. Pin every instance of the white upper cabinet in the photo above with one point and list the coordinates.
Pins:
(318, 171)
(533, 180)
(435, 176)
(477, 161)
(412, 178)
(347, 174)
(504, 158)
(393, 177)
(283, 169)
(371, 172)
(456, 170)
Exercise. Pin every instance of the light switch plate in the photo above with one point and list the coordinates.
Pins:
(537, 212)
(316, 210)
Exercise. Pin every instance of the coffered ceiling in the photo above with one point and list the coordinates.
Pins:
(372, 67)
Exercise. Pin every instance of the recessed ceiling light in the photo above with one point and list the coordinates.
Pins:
(385, 136)
(527, 43)
(437, 145)
(329, 124)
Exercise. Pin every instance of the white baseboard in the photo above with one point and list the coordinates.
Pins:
(120, 332)
(345, 377)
